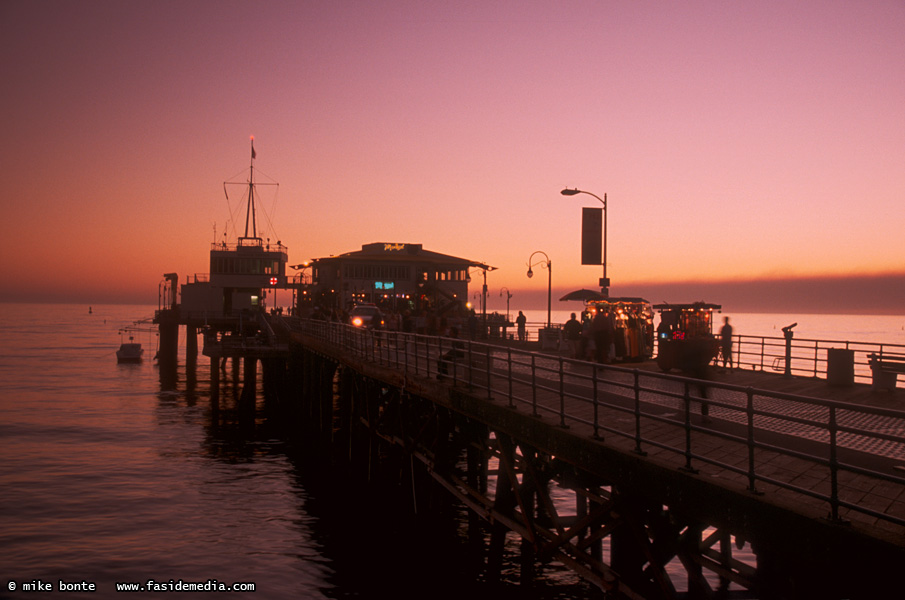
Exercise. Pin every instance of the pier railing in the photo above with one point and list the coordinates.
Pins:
(808, 357)
(837, 446)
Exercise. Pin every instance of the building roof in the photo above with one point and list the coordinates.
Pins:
(398, 252)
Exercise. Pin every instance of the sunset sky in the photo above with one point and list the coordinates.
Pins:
(736, 141)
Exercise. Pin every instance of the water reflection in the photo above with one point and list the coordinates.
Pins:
(125, 473)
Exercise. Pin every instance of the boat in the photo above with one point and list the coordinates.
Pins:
(129, 352)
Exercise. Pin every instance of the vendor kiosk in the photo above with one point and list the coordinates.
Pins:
(633, 326)
(685, 339)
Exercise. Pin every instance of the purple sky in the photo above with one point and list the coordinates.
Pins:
(735, 141)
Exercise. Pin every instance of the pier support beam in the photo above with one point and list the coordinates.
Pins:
(191, 341)
(274, 381)
(215, 384)
(504, 504)
(249, 387)
(168, 350)
(234, 362)
(169, 343)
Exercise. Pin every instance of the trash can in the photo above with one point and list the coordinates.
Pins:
(549, 338)
(840, 366)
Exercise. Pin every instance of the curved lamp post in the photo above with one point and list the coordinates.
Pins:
(604, 283)
(549, 264)
(302, 286)
(484, 269)
(508, 297)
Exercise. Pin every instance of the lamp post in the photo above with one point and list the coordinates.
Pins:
(302, 285)
(484, 301)
(508, 297)
(484, 268)
(549, 264)
(604, 282)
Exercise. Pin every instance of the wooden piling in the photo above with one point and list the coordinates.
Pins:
(215, 384)
(250, 382)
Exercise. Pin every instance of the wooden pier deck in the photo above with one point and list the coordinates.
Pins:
(806, 471)
(670, 436)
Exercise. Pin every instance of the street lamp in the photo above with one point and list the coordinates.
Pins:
(549, 264)
(508, 297)
(302, 285)
(604, 282)
(484, 268)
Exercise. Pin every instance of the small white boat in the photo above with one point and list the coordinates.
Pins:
(130, 352)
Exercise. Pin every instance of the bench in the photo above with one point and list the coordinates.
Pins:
(884, 371)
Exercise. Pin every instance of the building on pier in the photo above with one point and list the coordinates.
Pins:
(239, 276)
(395, 275)
(240, 272)
(226, 302)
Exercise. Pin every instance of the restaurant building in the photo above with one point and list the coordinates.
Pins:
(394, 276)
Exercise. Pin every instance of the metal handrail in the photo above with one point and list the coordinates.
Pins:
(810, 357)
(637, 393)
(768, 353)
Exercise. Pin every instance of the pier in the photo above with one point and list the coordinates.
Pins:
(760, 483)
(808, 476)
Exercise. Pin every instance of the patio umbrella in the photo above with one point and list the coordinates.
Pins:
(583, 295)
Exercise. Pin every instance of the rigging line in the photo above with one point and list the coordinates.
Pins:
(231, 223)
(259, 173)
(245, 183)
(273, 210)
(230, 180)
(247, 173)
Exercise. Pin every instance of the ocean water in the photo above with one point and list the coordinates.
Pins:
(110, 475)
(877, 329)
(107, 479)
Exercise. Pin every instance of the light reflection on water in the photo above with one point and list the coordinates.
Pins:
(564, 501)
(107, 478)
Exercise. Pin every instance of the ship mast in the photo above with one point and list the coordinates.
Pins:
(250, 208)
(251, 237)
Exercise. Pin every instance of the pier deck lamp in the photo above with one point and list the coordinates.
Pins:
(530, 274)
(604, 281)
(302, 285)
(484, 268)
(508, 297)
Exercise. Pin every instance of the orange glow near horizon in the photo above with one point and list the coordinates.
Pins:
(734, 142)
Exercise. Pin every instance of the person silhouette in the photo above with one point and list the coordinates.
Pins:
(726, 343)
(572, 331)
(521, 320)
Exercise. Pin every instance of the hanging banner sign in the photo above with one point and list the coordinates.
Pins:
(591, 236)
